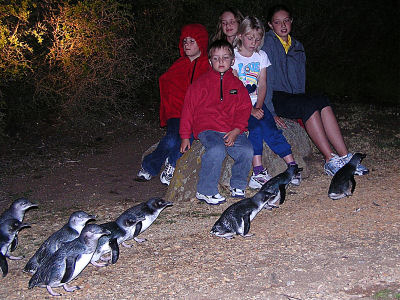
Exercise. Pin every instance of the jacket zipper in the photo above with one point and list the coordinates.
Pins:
(221, 94)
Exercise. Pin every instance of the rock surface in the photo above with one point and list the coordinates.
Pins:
(183, 184)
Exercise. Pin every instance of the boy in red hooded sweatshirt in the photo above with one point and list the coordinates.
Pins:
(174, 82)
(216, 111)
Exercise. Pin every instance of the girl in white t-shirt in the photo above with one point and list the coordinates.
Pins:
(251, 68)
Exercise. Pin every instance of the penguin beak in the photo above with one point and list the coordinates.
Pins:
(91, 218)
(106, 232)
(167, 203)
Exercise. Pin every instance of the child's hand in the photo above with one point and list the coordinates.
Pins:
(231, 136)
(185, 145)
(257, 113)
(279, 121)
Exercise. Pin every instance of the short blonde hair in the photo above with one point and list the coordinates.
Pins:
(249, 23)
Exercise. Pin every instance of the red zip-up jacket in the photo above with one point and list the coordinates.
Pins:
(175, 81)
(215, 102)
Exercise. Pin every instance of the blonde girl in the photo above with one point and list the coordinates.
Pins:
(251, 68)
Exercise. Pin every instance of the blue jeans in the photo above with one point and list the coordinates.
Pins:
(167, 147)
(265, 129)
(212, 159)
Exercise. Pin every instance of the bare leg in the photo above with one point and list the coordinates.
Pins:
(333, 131)
(315, 130)
(288, 158)
(257, 161)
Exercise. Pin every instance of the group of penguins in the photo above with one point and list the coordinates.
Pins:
(64, 254)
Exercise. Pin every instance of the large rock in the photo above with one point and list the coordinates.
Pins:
(183, 184)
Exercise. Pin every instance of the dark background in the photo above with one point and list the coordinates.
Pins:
(102, 60)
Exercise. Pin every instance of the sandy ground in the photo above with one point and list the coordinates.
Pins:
(309, 248)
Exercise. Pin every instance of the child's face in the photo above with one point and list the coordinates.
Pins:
(229, 24)
(191, 48)
(250, 41)
(281, 24)
(221, 60)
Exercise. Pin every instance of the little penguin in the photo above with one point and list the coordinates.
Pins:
(343, 183)
(122, 229)
(68, 232)
(150, 210)
(68, 261)
(9, 240)
(17, 210)
(278, 184)
(237, 217)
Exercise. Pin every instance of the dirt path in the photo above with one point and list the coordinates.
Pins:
(311, 247)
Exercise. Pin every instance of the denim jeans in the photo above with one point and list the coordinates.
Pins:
(212, 159)
(167, 147)
(265, 129)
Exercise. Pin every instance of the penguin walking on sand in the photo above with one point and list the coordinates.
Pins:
(277, 185)
(343, 183)
(17, 210)
(68, 261)
(68, 232)
(150, 210)
(122, 229)
(237, 217)
(9, 240)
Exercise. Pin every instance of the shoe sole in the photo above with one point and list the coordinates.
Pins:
(237, 196)
(205, 201)
(163, 181)
(254, 185)
(141, 179)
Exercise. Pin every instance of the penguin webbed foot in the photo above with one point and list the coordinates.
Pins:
(139, 240)
(16, 257)
(105, 258)
(126, 245)
(51, 292)
(247, 235)
(99, 264)
(71, 288)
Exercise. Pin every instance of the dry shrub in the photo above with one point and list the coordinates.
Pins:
(91, 67)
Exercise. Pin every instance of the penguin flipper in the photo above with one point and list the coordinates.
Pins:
(138, 229)
(282, 189)
(14, 243)
(114, 250)
(69, 268)
(3, 265)
(353, 185)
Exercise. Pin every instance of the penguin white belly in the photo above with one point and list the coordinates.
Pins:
(254, 213)
(241, 227)
(148, 221)
(105, 248)
(81, 263)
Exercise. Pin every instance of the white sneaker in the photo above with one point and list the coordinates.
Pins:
(237, 193)
(168, 173)
(143, 175)
(257, 181)
(334, 164)
(212, 200)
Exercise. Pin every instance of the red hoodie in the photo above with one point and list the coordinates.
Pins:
(206, 109)
(176, 80)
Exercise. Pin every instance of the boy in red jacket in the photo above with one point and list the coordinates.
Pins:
(216, 110)
(173, 85)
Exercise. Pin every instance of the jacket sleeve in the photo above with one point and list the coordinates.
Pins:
(267, 47)
(186, 122)
(243, 109)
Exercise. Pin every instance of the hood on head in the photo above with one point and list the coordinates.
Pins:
(199, 33)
